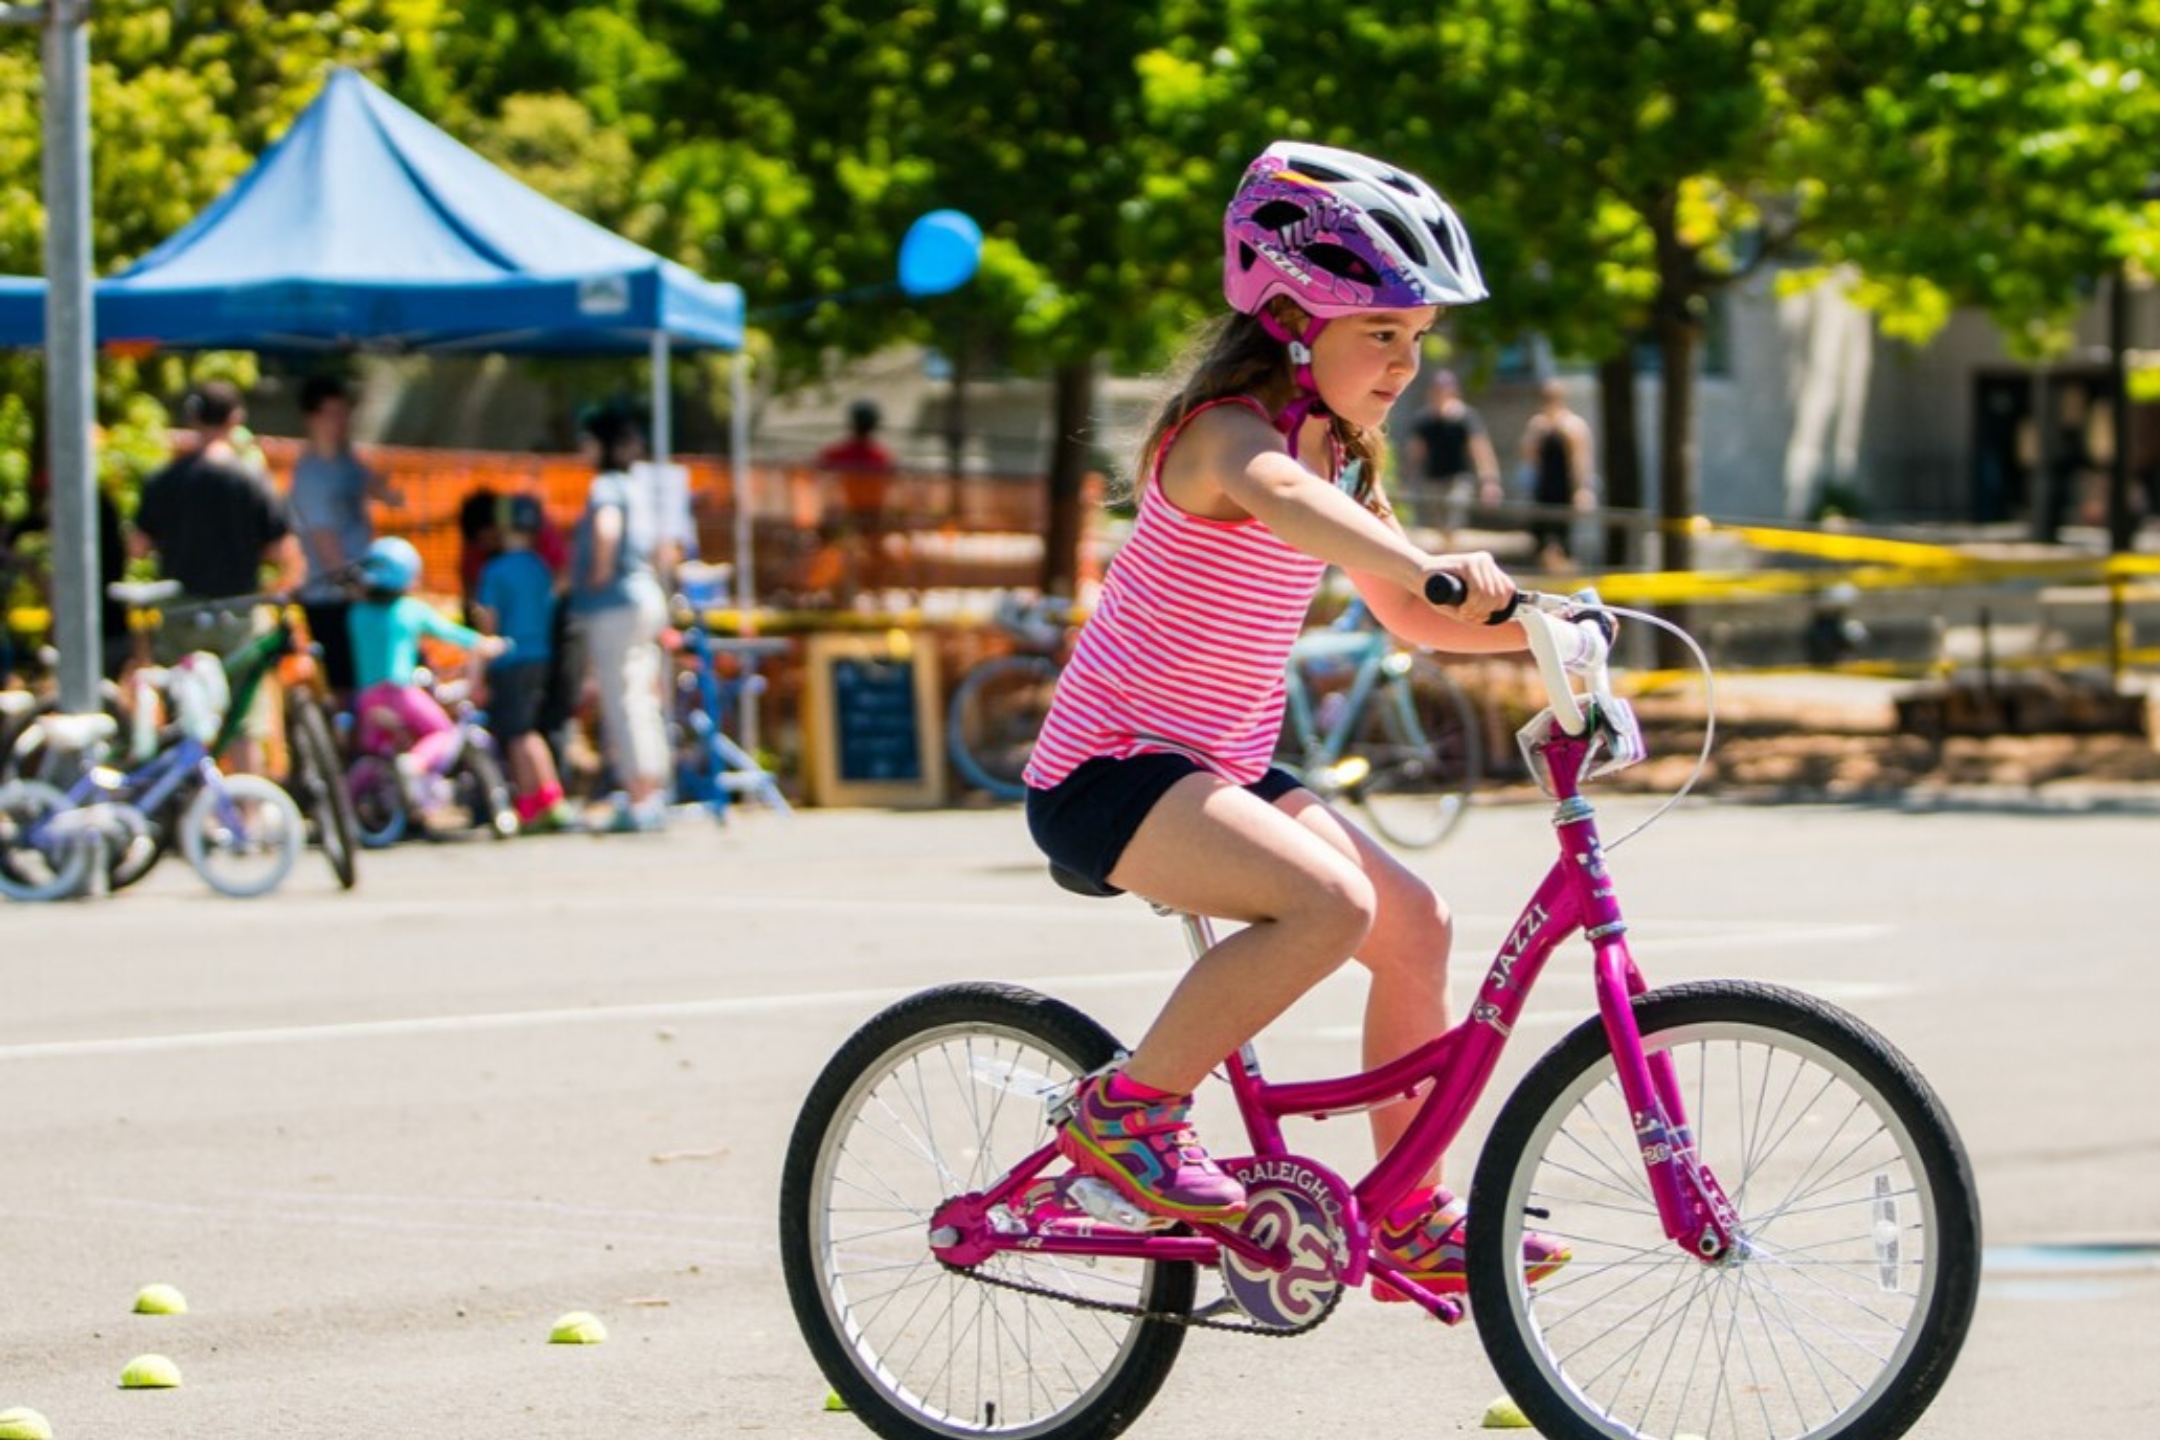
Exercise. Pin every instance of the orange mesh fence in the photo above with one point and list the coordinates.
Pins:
(821, 538)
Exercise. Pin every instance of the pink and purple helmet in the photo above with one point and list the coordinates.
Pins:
(1339, 232)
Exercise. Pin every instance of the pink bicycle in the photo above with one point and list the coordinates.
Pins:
(1773, 1225)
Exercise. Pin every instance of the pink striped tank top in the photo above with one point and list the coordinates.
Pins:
(1186, 649)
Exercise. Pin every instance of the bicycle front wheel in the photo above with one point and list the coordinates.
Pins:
(996, 713)
(318, 783)
(939, 1096)
(1420, 735)
(1842, 1306)
(242, 835)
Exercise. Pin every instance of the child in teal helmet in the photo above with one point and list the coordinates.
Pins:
(386, 627)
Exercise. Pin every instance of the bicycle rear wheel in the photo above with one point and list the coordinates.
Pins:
(318, 783)
(40, 865)
(380, 816)
(1420, 734)
(995, 715)
(1842, 1307)
(242, 835)
(939, 1096)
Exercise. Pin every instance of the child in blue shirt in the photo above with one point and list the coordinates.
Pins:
(386, 627)
(515, 599)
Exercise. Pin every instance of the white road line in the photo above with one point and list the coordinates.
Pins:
(1762, 933)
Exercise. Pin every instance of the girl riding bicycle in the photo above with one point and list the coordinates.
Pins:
(386, 626)
(1152, 775)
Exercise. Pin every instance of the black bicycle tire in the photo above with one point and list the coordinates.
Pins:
(376, 773)
(1893, 1403)
(1448, 769)
(488, 802)
(1142, 1364)
(1000, 778)
(318, 783)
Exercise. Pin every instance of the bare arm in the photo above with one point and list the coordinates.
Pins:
(1229, 464)
(607, 536)
(287, 563)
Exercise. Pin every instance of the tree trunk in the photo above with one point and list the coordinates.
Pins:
(1073, 411)
(1678, 331)
(1620, 446)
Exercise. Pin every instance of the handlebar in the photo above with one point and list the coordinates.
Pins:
(1568, 634)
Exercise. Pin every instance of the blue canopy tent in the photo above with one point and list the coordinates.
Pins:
(367, 227)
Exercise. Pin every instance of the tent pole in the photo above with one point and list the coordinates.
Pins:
(69, 355)
(663, 416)
(745, 559)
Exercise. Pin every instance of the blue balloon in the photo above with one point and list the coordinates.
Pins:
(939, 253)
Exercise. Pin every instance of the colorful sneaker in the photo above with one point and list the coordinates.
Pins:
(1146, 1149)
(1424, 1236)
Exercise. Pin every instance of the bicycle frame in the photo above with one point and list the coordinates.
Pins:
(1576, 896)
(147, 788)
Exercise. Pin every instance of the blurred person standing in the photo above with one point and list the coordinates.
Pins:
(215, 526)
(1556, 454)
(516, 600)
(865, 470)
(331, 488)
(618, 611)
(1452, 456)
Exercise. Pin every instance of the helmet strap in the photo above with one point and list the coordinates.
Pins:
(1292, 417)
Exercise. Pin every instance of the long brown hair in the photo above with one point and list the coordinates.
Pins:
(1235, 355)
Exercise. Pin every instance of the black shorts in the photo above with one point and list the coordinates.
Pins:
(1086, 820)
(514, 693)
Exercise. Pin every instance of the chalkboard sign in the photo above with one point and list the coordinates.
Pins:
(870, 721)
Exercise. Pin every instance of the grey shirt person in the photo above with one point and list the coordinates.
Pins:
(330, 493)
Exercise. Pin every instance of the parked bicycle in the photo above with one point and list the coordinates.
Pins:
(464, 790)
(1773, 1228)
(1383, 727)
(241, 833)
(314, 773)
(711, 768)
(999, 706)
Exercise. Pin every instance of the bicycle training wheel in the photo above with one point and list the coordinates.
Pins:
(995, 715)
(1843, 1305)
(1420, 735)
(40, 865)
(318, 783)
(242, 835)
(938, 1096)
(378, 801)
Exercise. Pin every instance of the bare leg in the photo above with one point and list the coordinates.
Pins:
(1213, 848)
(1406, 951)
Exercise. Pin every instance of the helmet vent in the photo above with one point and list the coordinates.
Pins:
(1279, 215)
(1310, 170)
(1446, 242)
(1404, 237)
(1343, 261)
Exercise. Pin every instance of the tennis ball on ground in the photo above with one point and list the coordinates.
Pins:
(150, 1372)
(833, 1402)
(579, 1327)
(1504, 1414)
(23, 1423)
(160, 1300)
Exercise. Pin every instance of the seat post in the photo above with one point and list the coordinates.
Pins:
(1199, 933)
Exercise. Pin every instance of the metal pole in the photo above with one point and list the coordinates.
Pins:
(2121, 524)
(745, 534)
(661, 441)
(68, 353)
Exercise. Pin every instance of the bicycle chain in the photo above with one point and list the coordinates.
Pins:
(1167, 1317)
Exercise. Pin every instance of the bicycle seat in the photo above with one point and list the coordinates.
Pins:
(78, 732)
(143, 593)
(1079, 884)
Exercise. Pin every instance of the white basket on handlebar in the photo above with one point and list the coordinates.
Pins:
(1567, 639)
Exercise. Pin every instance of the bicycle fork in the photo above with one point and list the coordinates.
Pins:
(1694, 1208)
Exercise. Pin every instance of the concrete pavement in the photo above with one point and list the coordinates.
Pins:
(382, 1140)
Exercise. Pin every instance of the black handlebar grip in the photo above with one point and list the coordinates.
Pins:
(1441, 588)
